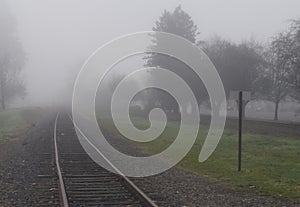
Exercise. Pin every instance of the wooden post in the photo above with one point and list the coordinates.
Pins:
(240, 131)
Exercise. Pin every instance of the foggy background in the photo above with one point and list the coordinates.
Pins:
(58, 36)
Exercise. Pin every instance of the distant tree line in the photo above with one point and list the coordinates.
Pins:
(270, 72)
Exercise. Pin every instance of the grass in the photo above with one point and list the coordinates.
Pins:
(270, 163)
(13, 122)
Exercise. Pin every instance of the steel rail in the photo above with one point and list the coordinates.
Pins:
(62, 190)
(128, 182)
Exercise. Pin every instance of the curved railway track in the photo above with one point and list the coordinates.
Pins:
(82, 182)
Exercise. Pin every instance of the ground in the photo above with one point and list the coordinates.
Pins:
(270, 165)
(21, 158)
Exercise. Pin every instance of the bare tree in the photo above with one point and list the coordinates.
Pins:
(239, 65)
(293, 54)
(12, 58)
(278, 70)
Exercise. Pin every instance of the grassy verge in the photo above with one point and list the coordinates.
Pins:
(13, 122)
(270, 164)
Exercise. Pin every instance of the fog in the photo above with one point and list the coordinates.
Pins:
(59, 35)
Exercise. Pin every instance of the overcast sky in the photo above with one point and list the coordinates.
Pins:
(58, 34)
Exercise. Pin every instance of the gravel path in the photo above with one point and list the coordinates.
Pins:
(20, 165)
(181, 188)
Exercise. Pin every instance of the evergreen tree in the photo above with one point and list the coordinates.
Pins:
(179, 23)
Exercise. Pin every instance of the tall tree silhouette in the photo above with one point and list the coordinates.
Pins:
(12, 58)
(179, 23)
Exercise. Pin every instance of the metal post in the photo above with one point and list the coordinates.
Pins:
(240, 131)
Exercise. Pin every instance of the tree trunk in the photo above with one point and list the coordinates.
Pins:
(2, 102)
(276, 110)
(244, 103)
(244, 109)
(2, 97)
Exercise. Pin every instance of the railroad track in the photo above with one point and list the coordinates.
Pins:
(82, 182)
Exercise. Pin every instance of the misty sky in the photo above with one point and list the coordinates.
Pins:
(60, 34)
